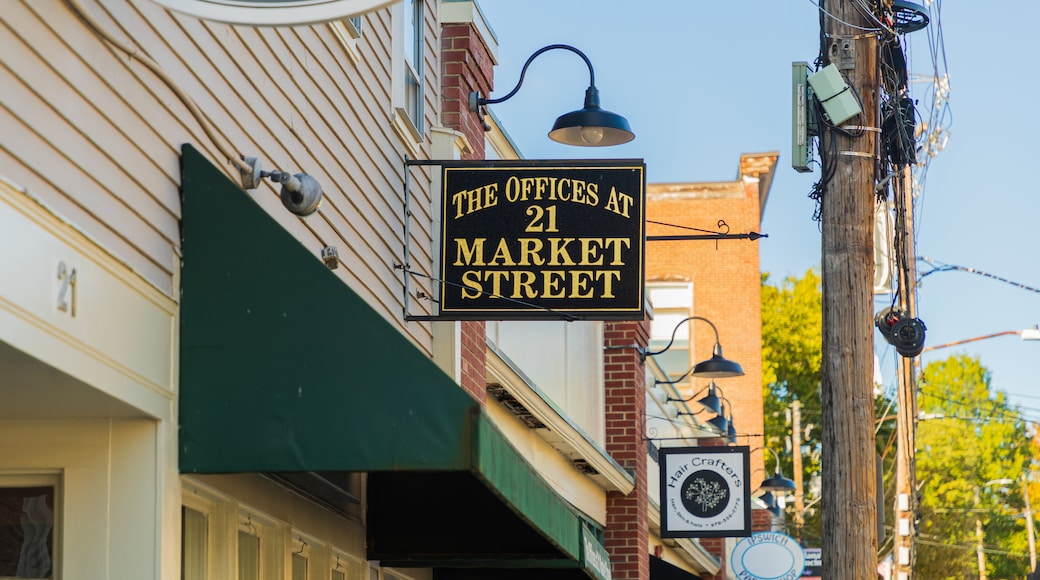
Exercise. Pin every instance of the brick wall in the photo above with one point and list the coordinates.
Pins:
(726, 282)
(467, 66)
(626, 534)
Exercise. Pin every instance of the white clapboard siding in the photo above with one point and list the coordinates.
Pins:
(96, 135)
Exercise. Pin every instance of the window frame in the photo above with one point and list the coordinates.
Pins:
(54, 480)
(409, 61)
(349, 31)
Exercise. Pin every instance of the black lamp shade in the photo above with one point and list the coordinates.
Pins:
(719, 422)
(777, 483)
(591, 126)
(731, 431)
(717, 367)
(711, 401)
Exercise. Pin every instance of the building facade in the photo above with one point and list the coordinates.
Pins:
(206, 374)
(718, 280)
(197, 382)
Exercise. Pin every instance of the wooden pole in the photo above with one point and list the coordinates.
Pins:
(796, 456)
(906, 419)
(847, 217)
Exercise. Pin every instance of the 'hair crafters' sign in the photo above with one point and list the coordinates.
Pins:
(540, 239)
(705, 492)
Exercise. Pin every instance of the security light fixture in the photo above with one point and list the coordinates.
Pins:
(300, 194)
(590, 126)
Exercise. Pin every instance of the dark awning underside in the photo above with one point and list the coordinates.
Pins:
(284, 368)
(661, 570)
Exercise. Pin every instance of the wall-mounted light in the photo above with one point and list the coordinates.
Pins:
(301, 194)
(717, 367)
(589, 126)
(777, 482)
(711, 401)
(770, 501)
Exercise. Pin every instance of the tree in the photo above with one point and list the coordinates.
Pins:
(969, 437)
(792, 330)
(792, 333)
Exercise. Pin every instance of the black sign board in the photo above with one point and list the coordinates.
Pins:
(542, 239)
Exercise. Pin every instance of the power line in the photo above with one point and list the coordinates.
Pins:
(938, 266)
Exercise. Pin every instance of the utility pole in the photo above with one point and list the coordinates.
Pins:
(796, 458)
(906, 419)
(1029, 523)
(846, 218)
(980, 553)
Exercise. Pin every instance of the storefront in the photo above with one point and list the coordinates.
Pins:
(287, 371)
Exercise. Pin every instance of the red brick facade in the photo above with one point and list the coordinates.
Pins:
(726, 283)
(726, 279)
(626, 534)
(467, 66)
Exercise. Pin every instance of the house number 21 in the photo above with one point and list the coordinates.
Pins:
(67, 291)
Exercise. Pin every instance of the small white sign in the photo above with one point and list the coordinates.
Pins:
(767, 556)
(705, 492)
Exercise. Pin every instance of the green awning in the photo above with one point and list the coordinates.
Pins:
(284, 368)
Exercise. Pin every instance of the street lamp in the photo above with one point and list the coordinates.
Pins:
(1026, 334)
(589, 126)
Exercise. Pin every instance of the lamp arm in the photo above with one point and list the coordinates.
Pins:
(523, 72)
(775, 457)
(686, 374)
(676, 329)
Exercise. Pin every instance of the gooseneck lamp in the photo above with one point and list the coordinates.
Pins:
(590, 126)
(777, 482)
(717, 367)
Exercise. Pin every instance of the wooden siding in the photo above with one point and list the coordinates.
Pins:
(96, 135)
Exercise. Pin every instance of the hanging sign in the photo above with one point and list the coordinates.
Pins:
(542, 239)
(705, 492)
(273, 12)
(767, 556)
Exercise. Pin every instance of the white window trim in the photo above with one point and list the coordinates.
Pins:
(407, 129)
(348, 32)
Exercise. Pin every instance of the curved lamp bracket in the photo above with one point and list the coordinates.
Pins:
(590, 126)
(476, 101)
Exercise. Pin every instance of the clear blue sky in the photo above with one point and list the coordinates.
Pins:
(703, 82)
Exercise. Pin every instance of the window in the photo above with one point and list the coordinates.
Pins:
(409, 109)
(248, 550)
(672, 303)
(194, 544)
(344, 566)
(27, 528)
(223, 539)
(299, 567)
(348, 31)
(413, 39)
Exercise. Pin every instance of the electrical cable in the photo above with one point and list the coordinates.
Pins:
(140, 56)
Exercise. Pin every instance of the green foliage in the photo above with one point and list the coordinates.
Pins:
(792, 331)
(792, 356)
(969, 439)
